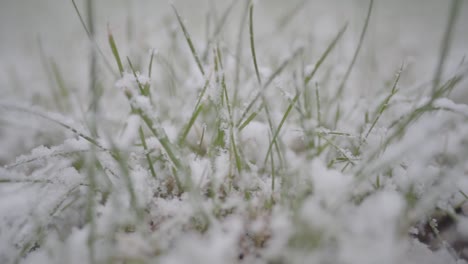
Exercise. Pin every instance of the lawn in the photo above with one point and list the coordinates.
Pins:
(233, 131)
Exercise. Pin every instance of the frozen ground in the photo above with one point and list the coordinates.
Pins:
(333, 162)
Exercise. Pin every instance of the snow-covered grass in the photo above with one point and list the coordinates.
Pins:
(251, 132)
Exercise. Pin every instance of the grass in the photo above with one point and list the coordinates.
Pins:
(236, 155)
(189, 41)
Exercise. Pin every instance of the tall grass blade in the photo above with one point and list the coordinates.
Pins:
(325, 54)
(270, 79)
(446, 41)
(239, 46)
(383, 106)
(115, 51)
(145, 147)
(277, 131)
(219, 26)
(189, 40)
(91, 38)
(196, 111)
(252, 43)
(356, 52)
(286, 19)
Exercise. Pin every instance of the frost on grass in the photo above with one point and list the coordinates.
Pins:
(182, 167)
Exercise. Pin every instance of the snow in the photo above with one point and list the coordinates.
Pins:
(128, 80)
(450, 105)
(217, 246)
(373, 231)
(329, 185)
(255, 138)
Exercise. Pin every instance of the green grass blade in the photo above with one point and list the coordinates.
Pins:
(383, 106)
(319, 112)
(248, 120)
(192, 119)
(267, 84)
(356, 52)
(464, 194)
(239, 46)
(54, 120)
(286, 19)
(77, 10)
(219, 26)
(145, 147)
(59, 79)
(198, 108)
(273, 174)
(150, 66)
(338, 148)
(236, 153)
(168, 147)
(252, 43)
(50, 77)
(337, 115)
(125, 171)
(143, 91)
(156, 130)
(115, 51)
(189, 40)
(266, 108)
(233, 143)
(94, 87)
(322, 58)
(275, 135)
(282, 66)
(91, 38)
(404, 122)
(446, 41)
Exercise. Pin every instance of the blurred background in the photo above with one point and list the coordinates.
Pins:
(412, 22)
(400, 29)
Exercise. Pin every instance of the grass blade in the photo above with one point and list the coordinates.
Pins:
(383, 106)
(168, 147)
(91, 38)
(239, 46)
(237, 157)
(59, 79)
(145, 147)
(248, 120)
(319, 113)
(38, 113)
(150, 66)
(356, 52)
(52, 78)
(143, 91)
(189, 41)
(446, 41)
(196, 111)
(156, 130)
(286, 19)
(267, 83)
(252, 43)
(325, 54)
(275, 135)
(115, 51)
(218, 28)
